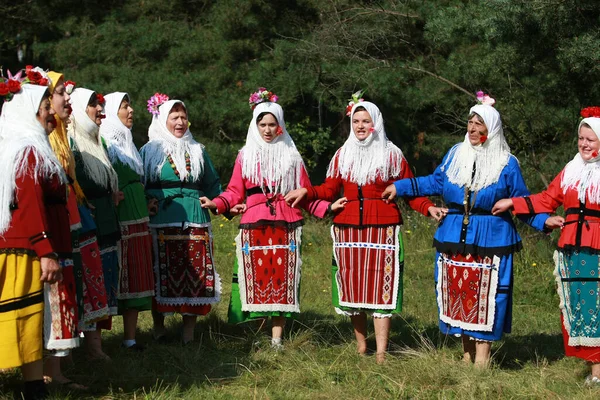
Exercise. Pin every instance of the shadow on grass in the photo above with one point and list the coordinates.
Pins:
(222, 352)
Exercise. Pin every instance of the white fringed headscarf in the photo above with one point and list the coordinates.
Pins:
(162, 143)
(117, 136)
(85, 134)
(362, 162)
(276, 165)
(489, 158)
(22, 135)
(584, 175)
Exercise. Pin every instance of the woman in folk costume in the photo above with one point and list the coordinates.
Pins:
(62, 299)
(266, 276)
(89, 277)
(577, 189)
(32, 202)
(99, 183)
(474, 249)
(367, 244)
(136, 281)
(177, 172)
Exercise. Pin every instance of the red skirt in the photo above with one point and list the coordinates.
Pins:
(136, 279)
(60, 311)
(186, 280)
(591, 354)
(95, 305)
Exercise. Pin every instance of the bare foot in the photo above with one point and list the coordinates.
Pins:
(380, 358)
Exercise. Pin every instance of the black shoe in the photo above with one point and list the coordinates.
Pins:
(136, 347)
(35, 390)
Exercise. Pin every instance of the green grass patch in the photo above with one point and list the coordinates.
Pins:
(319, 361)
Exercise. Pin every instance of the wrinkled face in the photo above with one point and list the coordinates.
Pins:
(588, 143)
(476, 129)
(94, 111)
(177, 123)
(60, 101)
(267, 127)
(45, 115)
(125, 114)
(362, 125)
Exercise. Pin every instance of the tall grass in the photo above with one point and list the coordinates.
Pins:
(320, 361)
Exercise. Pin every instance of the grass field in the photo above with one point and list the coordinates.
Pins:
(319, 360)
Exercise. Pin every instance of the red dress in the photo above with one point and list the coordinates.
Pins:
(368, 250)
(580, 237)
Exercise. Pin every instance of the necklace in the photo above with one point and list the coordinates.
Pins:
(468, 204)
(188, 166)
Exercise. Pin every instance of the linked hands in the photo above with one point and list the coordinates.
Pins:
(389, 194)
(295, 196)
(339, 204)
(238, 209)
(438, 213)
(504, 205)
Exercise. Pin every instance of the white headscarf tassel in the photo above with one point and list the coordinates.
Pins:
(584, 176)
(362, 162)
(489, 158)
(276, 165)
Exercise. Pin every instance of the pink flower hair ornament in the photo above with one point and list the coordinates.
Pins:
(484, 99)
(261, 96)
(356, 98)
(155, 101)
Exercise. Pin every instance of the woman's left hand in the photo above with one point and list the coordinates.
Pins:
(438, 213)
(554, 222)
(389, 193)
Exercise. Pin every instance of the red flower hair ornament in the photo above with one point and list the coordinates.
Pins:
(591, 112)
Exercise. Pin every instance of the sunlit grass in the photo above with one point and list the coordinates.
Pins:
(319, 361)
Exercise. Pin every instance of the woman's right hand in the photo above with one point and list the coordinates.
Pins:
(295, 196)
(339, 204)
(389, 193)
(152, 207)
(205, 202)
(51, 271)
(502, 206)
(554, 222)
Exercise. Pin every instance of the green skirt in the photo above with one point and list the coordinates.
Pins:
(235, 315)
(355, 235)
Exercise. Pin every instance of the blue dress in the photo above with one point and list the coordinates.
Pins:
(474, 253)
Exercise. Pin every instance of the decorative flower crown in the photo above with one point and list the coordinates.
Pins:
(11, 85)
(261, 96)
(69, 86)
(36, 76)
(484, 99)
(155, 101)
(591, 112)
(356, 98)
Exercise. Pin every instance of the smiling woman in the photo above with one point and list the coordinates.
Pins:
(577, 189)
(471, 242)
